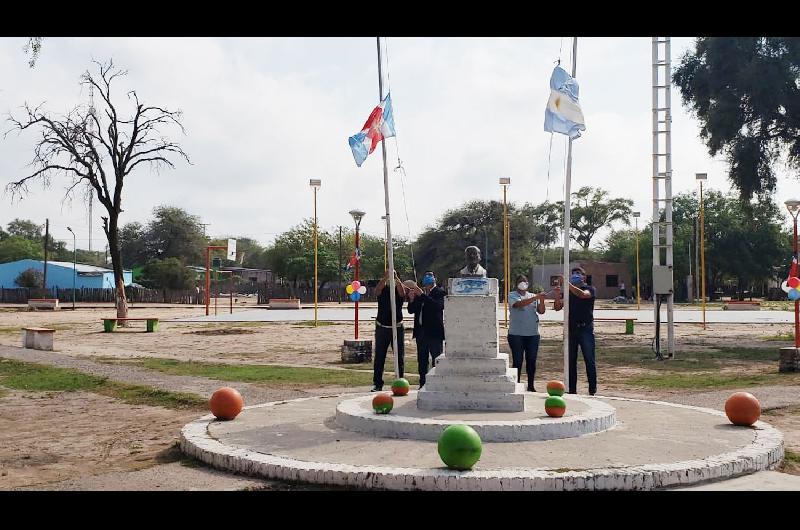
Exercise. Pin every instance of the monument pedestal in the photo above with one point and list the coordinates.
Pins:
(472, 374)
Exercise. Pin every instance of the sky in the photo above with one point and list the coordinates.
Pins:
(264, 115)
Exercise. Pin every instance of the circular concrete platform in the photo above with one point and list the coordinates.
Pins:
(583, 416)
(653, 445)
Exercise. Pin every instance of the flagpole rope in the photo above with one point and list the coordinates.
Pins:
(399, 162)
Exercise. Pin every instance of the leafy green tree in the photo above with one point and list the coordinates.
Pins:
(175, 233)
(133, 245)
(168, 273)
(15, 248)
(745, 93)
(26, 229)
(591, 210)
(30, 278)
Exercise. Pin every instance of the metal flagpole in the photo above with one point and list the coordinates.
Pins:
(567, 182)
(392, 294)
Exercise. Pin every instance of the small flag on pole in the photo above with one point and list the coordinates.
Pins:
(379, 125)
(353, 260)
(563, 114)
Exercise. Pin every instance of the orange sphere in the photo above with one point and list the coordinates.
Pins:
(742, 408)
(226, 403)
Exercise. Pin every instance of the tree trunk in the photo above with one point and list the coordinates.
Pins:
(116, 264)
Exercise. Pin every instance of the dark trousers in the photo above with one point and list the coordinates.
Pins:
(383, 339)
(427, 347)
(623, 293)
(529, 344)
(582, 336)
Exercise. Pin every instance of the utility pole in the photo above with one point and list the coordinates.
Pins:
(340, 264)
(46, 237)
(91, 196)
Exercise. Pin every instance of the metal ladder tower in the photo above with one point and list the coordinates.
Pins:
(662, 184)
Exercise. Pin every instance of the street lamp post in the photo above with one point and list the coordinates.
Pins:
(701, 177)
(505, 182)
(315, 183)
(357, 216)
(636, 216)
(793, 205)
(75, 261)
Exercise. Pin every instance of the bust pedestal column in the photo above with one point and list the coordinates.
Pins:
(471, 374)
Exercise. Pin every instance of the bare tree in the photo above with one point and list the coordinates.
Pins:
(100, 148)
(33, 48)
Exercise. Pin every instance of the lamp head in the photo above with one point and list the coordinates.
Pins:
(315, 183)
(70, 229)
(505, 181)
(637, 214)
(357, 216)
(701, 176)
(793, 205)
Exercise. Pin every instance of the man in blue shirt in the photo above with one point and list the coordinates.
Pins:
(523, 328)
(581, 328)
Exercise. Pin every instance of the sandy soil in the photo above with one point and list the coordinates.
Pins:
(86, 441)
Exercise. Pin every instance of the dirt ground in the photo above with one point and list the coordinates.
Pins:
(81, 440)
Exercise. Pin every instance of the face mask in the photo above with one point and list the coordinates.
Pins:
(522, 286)
(576, 278)
(428, 280)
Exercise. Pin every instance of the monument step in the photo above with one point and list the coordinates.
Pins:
(472, 366)
(472, 353)
(499, 401)
(471, 384)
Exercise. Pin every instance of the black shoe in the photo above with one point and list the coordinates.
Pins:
(531, 389)
(377, 389)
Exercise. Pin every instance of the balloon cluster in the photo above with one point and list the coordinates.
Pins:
(355, 290)
(792, 287)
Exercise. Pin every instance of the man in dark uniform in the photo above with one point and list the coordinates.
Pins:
(581, 328)
(383, 327)
(427, 306)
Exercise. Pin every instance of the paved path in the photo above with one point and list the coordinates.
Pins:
(761, 481)
(644, 316)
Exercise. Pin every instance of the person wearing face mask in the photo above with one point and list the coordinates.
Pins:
(427, 306)
(523, 328)
(581, 328)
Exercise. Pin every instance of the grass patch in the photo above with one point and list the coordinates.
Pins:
(791, 456)
(704, 381)
(310, 323)
(685, 361)
(34, 377)
(260, 373)
(789, 337)
(18, 329)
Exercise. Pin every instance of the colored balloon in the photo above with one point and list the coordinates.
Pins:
(348, 289)
(354, 297)
(460, 447)
(742, 408)
(362, 290)
(356, 284)
(794, 294)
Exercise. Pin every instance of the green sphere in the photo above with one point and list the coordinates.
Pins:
(460, 447)
(555, 401)
(400, 387)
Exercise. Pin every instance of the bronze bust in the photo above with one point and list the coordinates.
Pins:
(473, 268)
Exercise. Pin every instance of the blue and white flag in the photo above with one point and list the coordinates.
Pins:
(563, 114)
(379, 125)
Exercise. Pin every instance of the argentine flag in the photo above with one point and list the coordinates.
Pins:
(563, 114)
(378, 126)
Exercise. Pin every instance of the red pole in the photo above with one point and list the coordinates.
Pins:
(357, 263)
(796, 302)
(208, 277)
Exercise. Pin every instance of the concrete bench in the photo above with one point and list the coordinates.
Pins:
(43, 303)
(110, 324)
(38, 338)
(742, 306)
(284, 303)
(628, 323)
